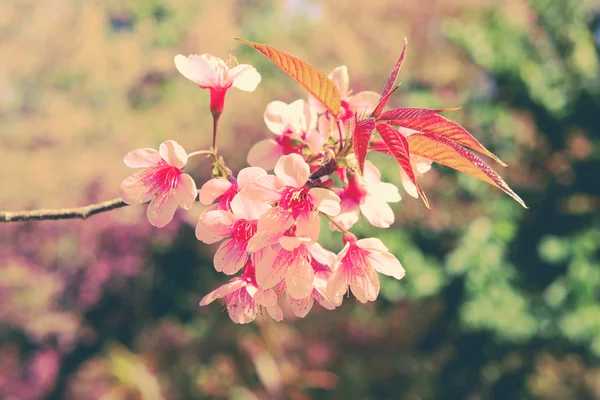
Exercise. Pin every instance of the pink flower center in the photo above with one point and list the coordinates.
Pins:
(161, 179)
(287, 147)
(345, 113)
(354, 191)
(243, 230)
(225, 198)
(297, 201)
(355, 263)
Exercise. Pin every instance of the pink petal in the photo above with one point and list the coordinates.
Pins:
(321, 254)
(245, 208)
(292, 170)
(275, 220)
(365, 288)
(161, 209)
(372, 244)
(299, 277)
(325, 201)
(242, 310)
(337, 285)
(377, 212)
(264, 189)
(290, 243)
(231, 256)
(409, 187)
(248, 175)
(134, 191)
(348, 216)
(222, 291)
(142, 158)
(275, 313)
(265, 154)
(206, 70)
(301, 307)
(212, 189)
(308, 225)
(316, 139)
(386, 264)
(261, 240)
(363, 103)
(341, 78)
(266, 297)
(214, 225)
(269, 274)
(371, 174)
(173, 153)
(186, 192)
(244, 77)
(316, 105)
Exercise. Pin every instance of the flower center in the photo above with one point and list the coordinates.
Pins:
(161, 179)
(345, 113)
(225, 198)
(354, 191)
(285, 142)
(243, 230)
(296, 201)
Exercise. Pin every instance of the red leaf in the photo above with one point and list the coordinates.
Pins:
(362, 135)
(387, 89)
(317, 83)
(399, 148)
(410, 113)
(436, 124)
(380, 147)
(450, 154)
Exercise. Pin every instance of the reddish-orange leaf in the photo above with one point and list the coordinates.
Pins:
(448, 153)
(317, 83)
(410, 113)
(362, 135)
(436, 124)
(387, 89)
(399, 148)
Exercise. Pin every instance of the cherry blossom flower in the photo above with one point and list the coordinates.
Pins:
(369, 196)
(362, 103)
(320, 261)
(244, 299)
(223, 190)
(238, 225)
(162, 182)
(212, 73)
(357, 266)
(294, 125)
(296, 203)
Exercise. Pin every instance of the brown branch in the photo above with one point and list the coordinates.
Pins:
(62, 213)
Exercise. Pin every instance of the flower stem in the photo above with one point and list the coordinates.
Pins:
(216, 116)
(342, 229)
(200, 152)
(339, 128)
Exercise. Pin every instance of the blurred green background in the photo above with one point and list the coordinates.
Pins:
(498, 302)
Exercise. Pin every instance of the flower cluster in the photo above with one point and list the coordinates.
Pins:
(268, 225)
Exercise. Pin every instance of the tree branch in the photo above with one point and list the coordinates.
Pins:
(62, 213)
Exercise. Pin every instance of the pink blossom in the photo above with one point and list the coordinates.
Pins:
(244, 299)
(361, 104)
(420, 165)
(237, 225)
(212, 73)
(357, 266)
(223, 190)
(369, 196)
(320, 261)
(162, 182)
(296, 203)
(294, 125)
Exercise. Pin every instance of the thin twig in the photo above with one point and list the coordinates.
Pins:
(62, 213)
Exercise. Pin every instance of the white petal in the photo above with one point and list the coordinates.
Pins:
(249, 174)
(161, 210)
(409, 187)
(341, 78)
(230, 257)
(299, 278)
(276, 116)
(384, 192)
(326, 201)
(364, 103)
(244, 77)
(173, 153)
(134, 191)
(186, 191)
(222, 291)
(386, 264)
(142, 158)
(264, 154)
(212, 189)
(243, 207)
(214, 225)
(292, 170)
(378, 213)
